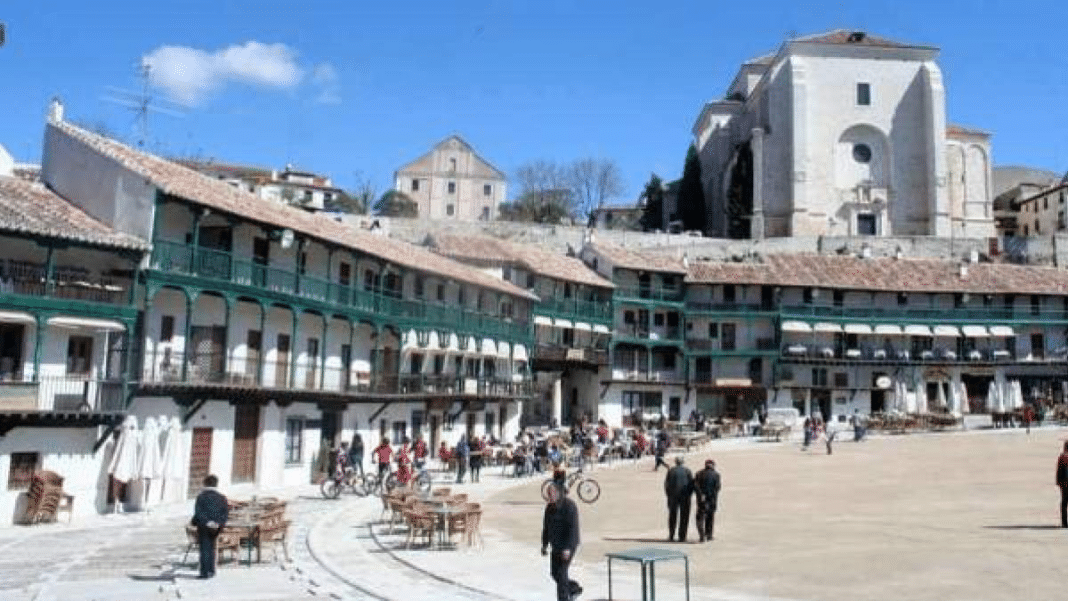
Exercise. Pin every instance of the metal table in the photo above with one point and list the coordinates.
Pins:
(648, 557)
(443, 514)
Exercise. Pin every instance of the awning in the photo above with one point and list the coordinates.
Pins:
(974, 331)
(541, 320)
(918, 330)
(489, 347)
(857, 328)
(827, 327)
(563, 323)
(504, 349)
(1002, 331)
(107, 325)
(947, 331)
(796, 326)
(583, 326)
(733, 382)
(888, 330)
(16, 317)
(520, 353)
(601, 329)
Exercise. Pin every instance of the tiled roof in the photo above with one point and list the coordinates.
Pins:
(486, 249)
(179, 181)
(30, 208)
(954, 129)
(882, 274)
(846, 36)
(626, 258)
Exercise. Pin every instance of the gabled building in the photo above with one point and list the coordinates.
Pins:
(300, 188)
(841, 133)
(453, 182)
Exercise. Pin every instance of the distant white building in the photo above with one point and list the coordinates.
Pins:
(842, 133)
(299, 188)
(453, 182)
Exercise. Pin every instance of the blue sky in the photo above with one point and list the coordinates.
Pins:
(362, 87)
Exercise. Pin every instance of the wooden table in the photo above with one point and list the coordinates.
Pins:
(443, 514)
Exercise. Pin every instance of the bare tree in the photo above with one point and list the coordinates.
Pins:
(545, 193)
(358, 199)
(593, 182)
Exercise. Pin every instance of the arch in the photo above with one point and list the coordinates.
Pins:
(862, 158)
(976, 186)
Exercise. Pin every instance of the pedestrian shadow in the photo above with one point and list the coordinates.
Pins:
(626, 539)
(522, 502)
(1024, 527)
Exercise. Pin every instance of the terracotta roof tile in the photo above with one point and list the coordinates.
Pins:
(173, 179)
(645, 260)
(31, 208)
(486, 249)
(883, 274)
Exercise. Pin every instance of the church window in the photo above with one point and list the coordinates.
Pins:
(863, 94)
(862, 153)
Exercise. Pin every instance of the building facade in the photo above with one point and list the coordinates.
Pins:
(453, 182)
(842, 133)
(303, 189)
(1042, 212)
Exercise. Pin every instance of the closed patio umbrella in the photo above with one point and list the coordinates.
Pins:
(124, 458)
(965, 403)
(940, 400)
(150, 466)
(173, 454)
(992, 401)
(921, 397)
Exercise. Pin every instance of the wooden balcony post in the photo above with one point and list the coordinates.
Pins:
(186, 343)
(50, 271)
(322, 352)
(260, 362)
(38, 335)
(293, 348)
(228, 301)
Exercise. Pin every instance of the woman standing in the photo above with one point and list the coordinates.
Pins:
(356, 453)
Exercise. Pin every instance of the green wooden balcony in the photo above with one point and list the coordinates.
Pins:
(649, 295)
(223, 269)
(923, 315)
(577, 310)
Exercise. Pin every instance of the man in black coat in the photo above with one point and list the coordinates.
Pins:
(209, 516)
(678, 486)
(560, 530)
(706, 485)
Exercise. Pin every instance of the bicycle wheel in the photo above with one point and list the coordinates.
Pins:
(589, 491)
(371, 484)
(357, 486)
(391, 483)
(545, 489)
(422, 482)
(330, 489)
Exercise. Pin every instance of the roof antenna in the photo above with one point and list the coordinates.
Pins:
(142, 103)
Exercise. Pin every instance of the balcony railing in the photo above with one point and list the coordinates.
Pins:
(209, 368)
(66, 393)
(644, 293)
(923, 314)
(579, 310)
(710, 307)
(641, 375)
(548, 352)
(639, 332)
(222, 266)
(68, 282)
(892, 354)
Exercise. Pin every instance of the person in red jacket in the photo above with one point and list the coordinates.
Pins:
(1062, 483)
(420, 452)
(404, 464)
(382, 454)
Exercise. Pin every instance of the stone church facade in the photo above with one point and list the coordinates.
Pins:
(842, 133)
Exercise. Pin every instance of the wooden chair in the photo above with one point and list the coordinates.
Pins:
(458, 499)
(473, 530)
(419, 524)
(229, 540)
(274, 533)
(441, 492)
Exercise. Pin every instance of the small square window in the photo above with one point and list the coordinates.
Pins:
(863, 94)
(841, 379)
(21, 469)
(658, 320)
(415, 185)
(487, 190)
(713, 330)
(452, 187)
(79, 355)
(450, 210)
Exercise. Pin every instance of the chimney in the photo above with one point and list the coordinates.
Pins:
(55, 110)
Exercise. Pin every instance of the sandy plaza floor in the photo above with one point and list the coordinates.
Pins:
(962, 515)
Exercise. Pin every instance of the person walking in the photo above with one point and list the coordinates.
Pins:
(678, 486)
(1062, 483)
(419, 452)
(463, 454)
(356, 453)
(476, 458)
(661, 450)
(706, 485)
(382, 454)
(560, 532)
(210, 514)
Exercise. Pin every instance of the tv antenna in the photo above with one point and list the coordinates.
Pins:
(142, 103)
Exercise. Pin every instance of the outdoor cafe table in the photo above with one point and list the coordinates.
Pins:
(443, 514)
(648, 557)
(247, 523)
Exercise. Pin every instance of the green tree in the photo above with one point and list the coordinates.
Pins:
(691, 200)
(395, 203)
(652, 199)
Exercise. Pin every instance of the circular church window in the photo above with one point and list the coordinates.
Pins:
(861, 153)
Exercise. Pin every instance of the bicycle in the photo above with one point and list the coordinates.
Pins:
(373, 484)
(588, 488)
(331, 488)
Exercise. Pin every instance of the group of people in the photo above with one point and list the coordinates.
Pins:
(680, 486)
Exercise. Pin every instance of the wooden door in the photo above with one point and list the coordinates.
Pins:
(199, 459)
(261, 253)
(246, 432)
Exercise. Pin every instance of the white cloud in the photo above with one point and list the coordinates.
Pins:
(189, 75)
(325, 77)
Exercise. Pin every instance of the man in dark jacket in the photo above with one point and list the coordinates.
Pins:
(678, 486)
(662, 443)
(706, 485)
(1062, 483)
(209, 516)
(560, 531)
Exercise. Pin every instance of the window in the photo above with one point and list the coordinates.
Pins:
(819, 377)
(417, 363)
(307, 196)
(841, 379)
(1038, 227)
(485, 213)
(418, 287)
(1045, 202)
(728, 294)
(713, 330)
(487, 190)
(902, 298)
(452, 164)
(1025, 230)
(1061, 223)
(439, 364)
(1036, 304)
(441, 292)
(839, 297)
(807, 296)
(628, 317)
(958, 300)
(327, 197)
(294, 439)
(20, 472)
(400, 430)
(862, 153)
(415, 185)
(863, 94)
(658, 320)
(450, 210)
(866, 224)
(79, 355)
(452, 187)
(166, 328)
(726, 343)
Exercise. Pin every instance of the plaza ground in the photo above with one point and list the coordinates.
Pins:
(963, 515)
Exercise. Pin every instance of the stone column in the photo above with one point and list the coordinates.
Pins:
(756, 231)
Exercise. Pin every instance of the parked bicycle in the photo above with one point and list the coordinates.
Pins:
(331, 488)
(374, 485)
(588, 489)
